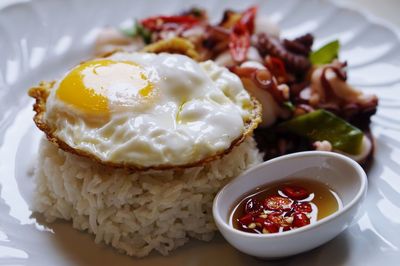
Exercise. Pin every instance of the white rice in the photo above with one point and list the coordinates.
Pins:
(135, 212)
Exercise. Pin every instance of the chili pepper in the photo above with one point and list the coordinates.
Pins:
(300, 220)
(278, 203)
(302, 207)
(239, 42)
(248, 17)
(277, 67)
(247, 219)
(295, 192)
(277, 218)
(270, 227)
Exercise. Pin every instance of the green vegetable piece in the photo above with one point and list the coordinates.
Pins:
(197, 12)
(138, 30)
(325, 54)
(322, 125)
(289, 105)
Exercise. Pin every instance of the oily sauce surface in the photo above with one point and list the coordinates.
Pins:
(284, 206)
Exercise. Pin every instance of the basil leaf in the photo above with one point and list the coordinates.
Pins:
(326, 53)
(138, 30)
(323, 125)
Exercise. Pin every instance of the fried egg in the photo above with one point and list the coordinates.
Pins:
(143, 110)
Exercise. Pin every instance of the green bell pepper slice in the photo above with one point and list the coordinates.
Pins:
(325, 54)
(322, 125)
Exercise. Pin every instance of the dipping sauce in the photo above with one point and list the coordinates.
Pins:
(284, 206)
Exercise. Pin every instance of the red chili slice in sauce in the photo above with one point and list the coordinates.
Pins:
(278, 203)
(247, 219)
(281, 208)
(260, 220)
(300, 220)
(295, 192)
(278, 218)
(302, 207)
(270, 227)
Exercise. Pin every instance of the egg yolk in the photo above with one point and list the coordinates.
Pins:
(95, 85)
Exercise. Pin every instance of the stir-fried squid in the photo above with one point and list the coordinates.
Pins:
(289, 77)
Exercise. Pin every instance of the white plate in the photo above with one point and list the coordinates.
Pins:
(39, 40)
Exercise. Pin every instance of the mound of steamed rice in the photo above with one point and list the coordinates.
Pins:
(135, 212)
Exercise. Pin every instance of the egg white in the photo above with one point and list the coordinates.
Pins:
(195, 110)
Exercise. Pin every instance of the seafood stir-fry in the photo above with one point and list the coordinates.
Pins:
(307, 102)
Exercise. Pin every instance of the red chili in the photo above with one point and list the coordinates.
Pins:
(247, 219)
(259, 220)
(248, 18)
(278, 203)
(270, 227)
(159, 22)
(239, 42)
(277, 218)
(277, 66)
(300, 220)
(302, 207)
(295, 192)
(287, 228)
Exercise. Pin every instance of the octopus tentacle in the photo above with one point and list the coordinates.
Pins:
(268, 45)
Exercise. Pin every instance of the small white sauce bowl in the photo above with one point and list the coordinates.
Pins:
(338, 172)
